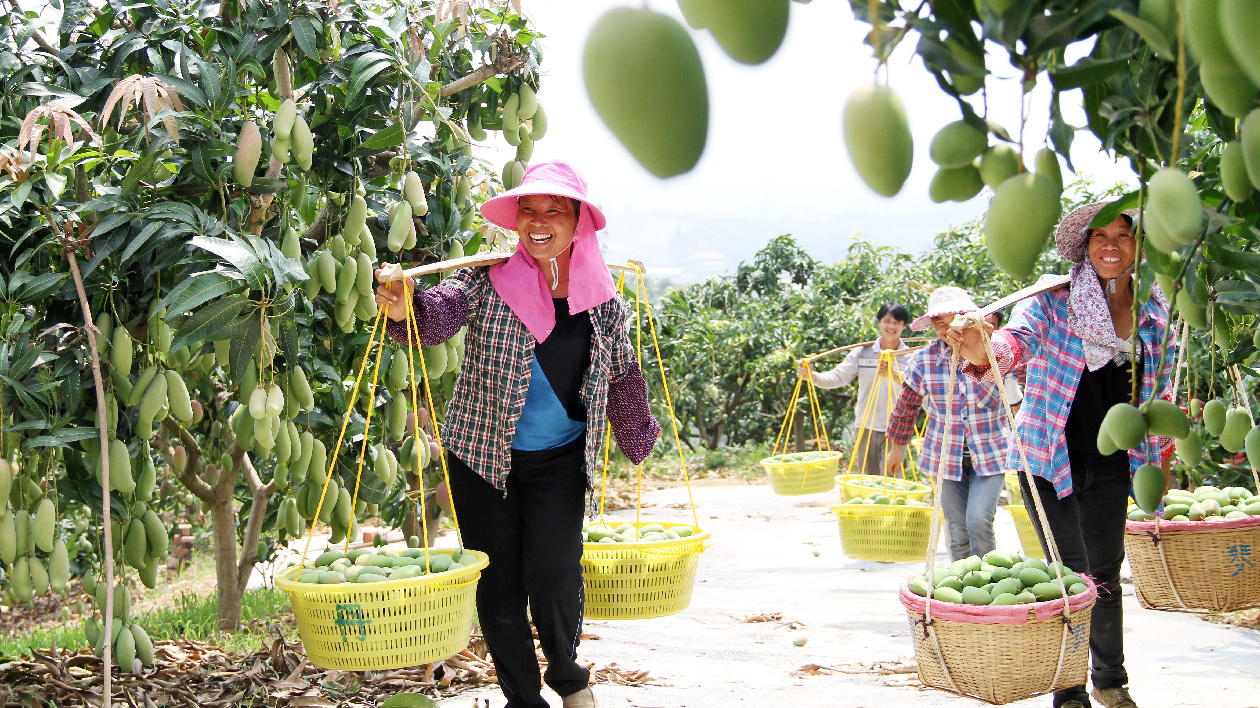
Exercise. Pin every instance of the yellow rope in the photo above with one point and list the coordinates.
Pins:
(367, 424)
(332, 463)
(787, 418)
(641, 291)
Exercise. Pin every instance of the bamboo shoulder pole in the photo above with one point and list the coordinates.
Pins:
(391, 272)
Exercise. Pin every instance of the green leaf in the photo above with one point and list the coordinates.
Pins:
(205, 323)
(361, 77)
(388, 137)
(196, 290)
(39, 286)
(305, 33)
(1112, 211)
(1148, 32)
(289, 339)
(244, 260)
(242, 349)
(1087, 72)
(187, 89)
(61, 438)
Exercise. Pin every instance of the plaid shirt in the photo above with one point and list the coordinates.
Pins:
(1039, 337)
(978, 417)
(490, 391)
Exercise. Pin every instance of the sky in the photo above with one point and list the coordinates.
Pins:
(775, 160)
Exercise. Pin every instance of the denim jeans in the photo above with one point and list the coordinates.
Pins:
(969, 505)
(1088, 528)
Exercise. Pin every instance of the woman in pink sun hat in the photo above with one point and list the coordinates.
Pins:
(548, 364)
(1077, 345)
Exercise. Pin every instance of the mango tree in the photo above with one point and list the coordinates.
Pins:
(224, 178)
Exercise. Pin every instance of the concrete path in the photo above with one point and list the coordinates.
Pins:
(783, 554)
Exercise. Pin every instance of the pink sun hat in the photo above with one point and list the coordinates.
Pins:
(1072, 235)
(558, 178)
(944, 300)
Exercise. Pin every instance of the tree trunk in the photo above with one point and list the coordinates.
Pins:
(229, 590)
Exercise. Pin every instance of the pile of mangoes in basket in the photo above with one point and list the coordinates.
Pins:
(999, 578)
(811, 456)
(1204, 503)
(885, 499)
(629, 533)
(885, 483)
(375, 565)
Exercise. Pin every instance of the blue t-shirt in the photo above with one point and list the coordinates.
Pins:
(553, 414)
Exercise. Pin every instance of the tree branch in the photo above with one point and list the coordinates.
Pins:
(35, 35)
(253, 528)
(189, 476)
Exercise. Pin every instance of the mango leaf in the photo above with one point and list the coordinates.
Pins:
(305, 32)
(1112, 211)
(205, 323)
(1087, 72)
(62, 438)
(39, 286)
(361, 77)
(1151, 34)
(185, 88)
(245, 261)
(197, 290)
(388, 137)
(242, 349)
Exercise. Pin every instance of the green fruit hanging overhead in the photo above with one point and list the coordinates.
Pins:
(750, 31)
(878, 139)
(998, 164)
(644, 77)
(1234, 173)
(957, 144)
(1021, 215)
(1240, 23)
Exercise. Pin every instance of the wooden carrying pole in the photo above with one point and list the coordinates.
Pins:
(847, 347)
(392, 271)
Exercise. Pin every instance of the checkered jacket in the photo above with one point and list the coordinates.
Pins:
(1038, 337)
(490, 391)
(978, 417)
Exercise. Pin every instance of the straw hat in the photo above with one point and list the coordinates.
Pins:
(1073, 233)
(945, 300)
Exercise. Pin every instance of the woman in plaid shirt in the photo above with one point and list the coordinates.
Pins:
(1076, 344)
(548, 364)
(973, 444)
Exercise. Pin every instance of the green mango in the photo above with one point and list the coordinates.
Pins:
(975, 596)
(957, 144)
(1174, 215)
(749, 31)
(1125, 425)
(878, 138)
(1229, 88)
(948, 594)
(1021, 215)
(1252, 445)
(1240, 24)
(998, 164)
(955, 185)
(1148, 487)
(1165, 418)
(644, 76)
(1250, 139)
(1237, 424)
(1048, 167)
(1214, 414)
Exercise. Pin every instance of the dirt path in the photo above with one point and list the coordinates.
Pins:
(783, 555)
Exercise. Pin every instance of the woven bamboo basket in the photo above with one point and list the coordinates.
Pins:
(1195, 566)
(642, 580)
(883, 532)
(852, 487)
(1001, 654)
(385, 625)
(804, 477)
(1027, 534)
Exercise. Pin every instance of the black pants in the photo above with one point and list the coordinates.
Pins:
(1088, 527)
(534, 538)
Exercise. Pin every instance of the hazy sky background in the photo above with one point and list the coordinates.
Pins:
(775, 160)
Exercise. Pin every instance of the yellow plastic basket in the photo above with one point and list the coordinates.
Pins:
(1027, 534)
(386, 625)
(805, 477)
(1013, 493)
(625, 581)
(852, 487)
(883, 532)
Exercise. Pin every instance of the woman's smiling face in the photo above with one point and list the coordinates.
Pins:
(1112, 249)
(546, 223)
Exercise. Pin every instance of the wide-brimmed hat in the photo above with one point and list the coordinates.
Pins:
(558, 178)
(1073, 233)
(944, 300)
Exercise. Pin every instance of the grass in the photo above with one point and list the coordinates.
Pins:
(191, 616)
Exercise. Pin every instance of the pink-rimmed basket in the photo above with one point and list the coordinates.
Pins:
(1001, 654)
(1195, 566)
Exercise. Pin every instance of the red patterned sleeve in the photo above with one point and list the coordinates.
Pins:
(1006, 349)
(905, 412)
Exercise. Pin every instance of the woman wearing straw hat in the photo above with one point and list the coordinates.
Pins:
(1076, 343)
(971, 447)
(866, 364)
(548, 362)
